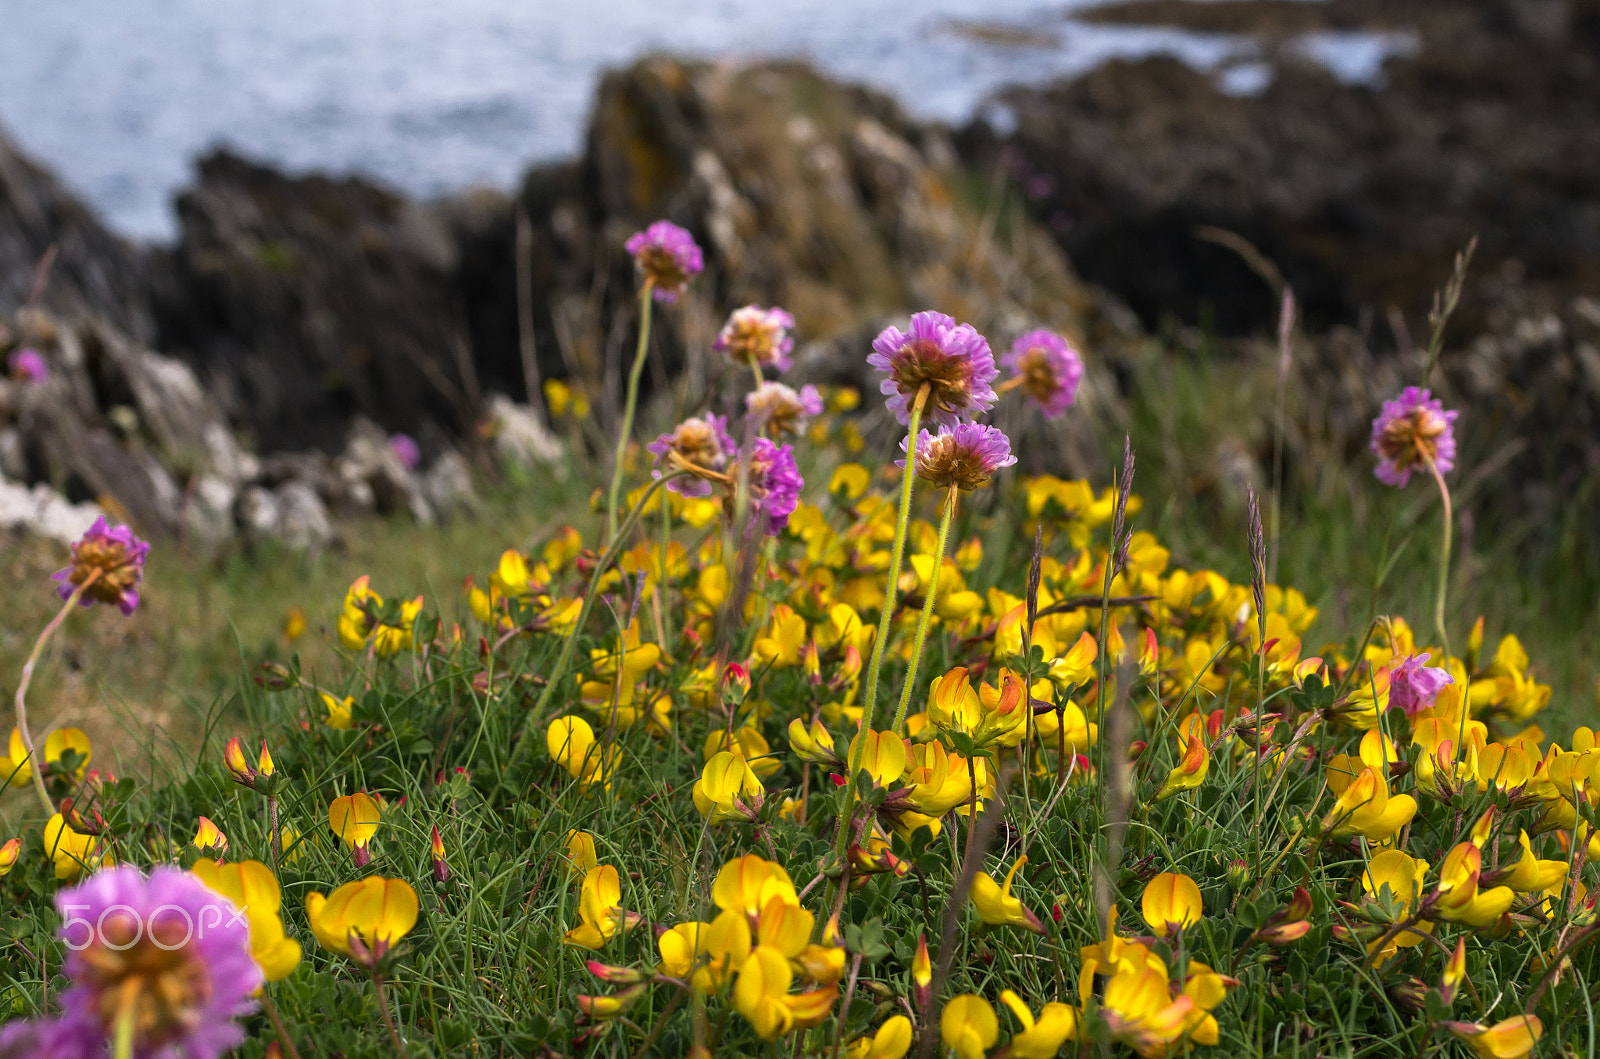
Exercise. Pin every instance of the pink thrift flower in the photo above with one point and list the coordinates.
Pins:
(951, 359)
(113, 558)
(1413, 430)
(1414, 687)
(668, 257)
(1047, 369)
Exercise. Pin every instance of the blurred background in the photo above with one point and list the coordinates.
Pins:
(254, 243)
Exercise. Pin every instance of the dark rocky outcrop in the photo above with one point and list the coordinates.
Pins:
(90, 271)
(1360, 194)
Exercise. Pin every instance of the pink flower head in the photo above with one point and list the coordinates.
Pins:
(668, 257)
(759, 335)
(951, 359)
(164, 951)
(1413, 686)
(113, 558)
(1048, 370)
(964, 456)
(28, 366)
(1412, 431)
(695, 443)
(782, 411)
(775, 483)
(405, 447)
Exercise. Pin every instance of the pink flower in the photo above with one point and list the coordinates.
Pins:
(111, 561)
(775, 483)
(964, 457)
(756, 334)
(1412, 431)
(1047, 369)
(28, 366)
(780, 409)
(695, 443)
(952, 360)
(1413, 686)
(668, 257)
(405, 447)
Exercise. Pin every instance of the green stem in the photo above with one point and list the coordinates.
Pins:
(35, 768)
(629, 406)
(564, 659)
(932, 593)
(388, 1019)
(891, 590)
(661, 583)
(1444, 562)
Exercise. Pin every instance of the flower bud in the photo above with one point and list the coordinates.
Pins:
(233, 757)
(441, 870)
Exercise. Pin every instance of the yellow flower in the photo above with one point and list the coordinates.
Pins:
(1364, 804)
(1530, 874)
(724, 945)
(360, 622)
(209, 836)
(1140, 1009)
(851, 479)
(339, 713)
(1512, 1038)
(968, 1026)
(1402, 874)
(883, 755)
(1171, 902)
(813, 744)
(354, 818)
(1460, 900)
(749, 744)
(892, 1041)
(72, 851)
(253, 889)
(363, 919)
(995, 904)
(785, 635)
(1043, 1037)
(8, 855)
(581, 854)
(572, 745)
(56, 745)
(728, 789)
(600, 909)
(682, 945)
(1190, 771)
(748, 883)
(761, 995)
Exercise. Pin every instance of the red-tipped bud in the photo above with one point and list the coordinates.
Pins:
(237, 764)
(441, 870)
(607, 972)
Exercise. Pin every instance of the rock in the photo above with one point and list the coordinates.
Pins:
(208, 513)
(292, 514)
(94, 273)
(447, 483)
(1361, 194)
(369, 459)
(308, 299)
(43, 511)
(520, 436)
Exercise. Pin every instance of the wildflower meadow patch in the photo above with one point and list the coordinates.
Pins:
(783, 763)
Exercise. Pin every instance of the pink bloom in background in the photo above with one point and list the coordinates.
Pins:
(951, 359)
(1412, 430)
(703, 442)
(668, 257)
(1049, 370)
(1413, 686)
(28, 366)
(780, 409)
(775, 483)
(405, 447)
(964, 456)
(759, 335)
(114, 557)
(165, 952)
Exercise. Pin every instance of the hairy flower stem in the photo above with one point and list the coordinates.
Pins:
(277, 1024)
(629, 406)
(388, 1019)
(932, 593)
(274, 836)
(564, 659)
(890, 592)
(663, 600)
(34, 767)
(1444, 561)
